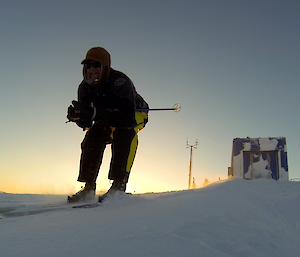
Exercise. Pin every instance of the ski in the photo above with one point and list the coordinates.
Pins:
(11, 212)
(20, 212)
(23, 210)
(86, 206)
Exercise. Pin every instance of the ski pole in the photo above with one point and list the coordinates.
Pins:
(176, 108)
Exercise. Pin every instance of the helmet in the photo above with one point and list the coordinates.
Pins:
(98, 54)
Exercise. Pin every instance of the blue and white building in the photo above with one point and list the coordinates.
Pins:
(259, 158)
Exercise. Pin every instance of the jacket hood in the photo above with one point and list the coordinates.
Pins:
(98, 54)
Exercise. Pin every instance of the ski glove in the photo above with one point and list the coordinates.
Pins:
(84, 115)
(80, 112)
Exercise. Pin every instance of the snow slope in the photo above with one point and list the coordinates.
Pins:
(233, 218)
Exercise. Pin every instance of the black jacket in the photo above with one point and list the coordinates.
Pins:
(118, 95)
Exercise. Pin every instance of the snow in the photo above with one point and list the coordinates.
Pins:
(267, 144)
(231, 218)
(258, 169)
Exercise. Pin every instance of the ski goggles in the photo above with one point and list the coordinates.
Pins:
(92, 64)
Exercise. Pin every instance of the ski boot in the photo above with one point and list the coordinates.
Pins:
(118, 186)
(85, 194)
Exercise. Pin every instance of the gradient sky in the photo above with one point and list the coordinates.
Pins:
(232, 64)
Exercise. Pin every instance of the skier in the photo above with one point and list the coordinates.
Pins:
(106, 108)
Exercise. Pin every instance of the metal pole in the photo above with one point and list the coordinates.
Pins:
(191, 157)
(190, 172)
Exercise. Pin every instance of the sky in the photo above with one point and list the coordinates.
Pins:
(232, 65)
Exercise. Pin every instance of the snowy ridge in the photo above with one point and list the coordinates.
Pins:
(234, 218)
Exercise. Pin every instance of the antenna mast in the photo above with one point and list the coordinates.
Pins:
(191, 157)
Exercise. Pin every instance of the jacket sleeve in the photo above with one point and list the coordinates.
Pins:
(82, 93)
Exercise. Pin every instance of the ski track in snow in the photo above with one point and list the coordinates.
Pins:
(232, 218)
